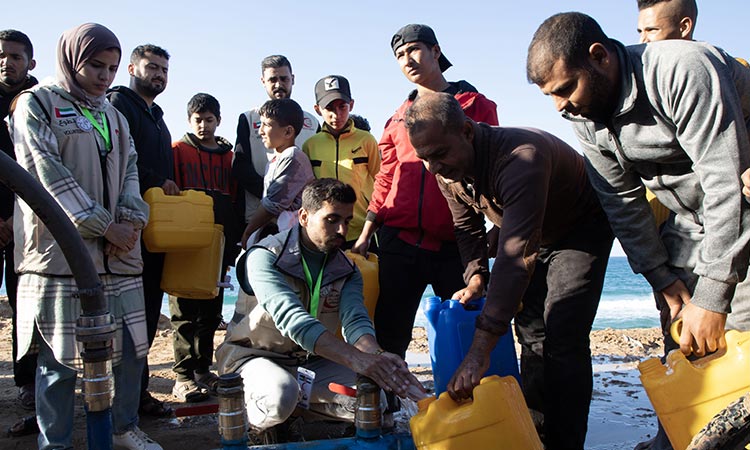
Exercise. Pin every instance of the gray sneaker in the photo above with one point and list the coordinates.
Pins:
(134, 439)
(189, 391)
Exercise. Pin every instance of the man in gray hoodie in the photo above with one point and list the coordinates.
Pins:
(671, 117)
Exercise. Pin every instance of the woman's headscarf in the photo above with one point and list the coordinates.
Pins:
(75, 48)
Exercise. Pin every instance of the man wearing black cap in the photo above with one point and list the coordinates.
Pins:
(342, 151)
(417, 244)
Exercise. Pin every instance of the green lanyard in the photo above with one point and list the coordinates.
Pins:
(102, 129)
(314, 289)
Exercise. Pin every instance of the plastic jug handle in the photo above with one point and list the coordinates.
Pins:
(676, 329)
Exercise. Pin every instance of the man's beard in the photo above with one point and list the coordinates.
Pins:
(333, 244)
(11, 84)
(603, 96)
(146, 87)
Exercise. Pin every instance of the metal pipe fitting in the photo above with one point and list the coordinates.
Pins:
(367, 416)
(232, 414)
(98, 382)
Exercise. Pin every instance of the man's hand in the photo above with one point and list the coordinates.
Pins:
(474, 365)
(363, 241)
(361, 246)
(122, 235)
(468, 374)
(702, 330)
(676, 295)
(390, 372)
(6, 232)
(746, 183)
(170, 188)
(474, 290)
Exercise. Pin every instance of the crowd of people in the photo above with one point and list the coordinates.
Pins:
(294, 194)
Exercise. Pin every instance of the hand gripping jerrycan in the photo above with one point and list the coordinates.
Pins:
(687, 394)
(450, 330)
(496, 419)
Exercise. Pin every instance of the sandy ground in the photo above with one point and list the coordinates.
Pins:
(620, 411)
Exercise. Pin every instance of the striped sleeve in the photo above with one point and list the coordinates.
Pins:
(37, 151)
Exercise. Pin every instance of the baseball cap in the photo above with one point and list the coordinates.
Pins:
(330, 88)
(418, 33)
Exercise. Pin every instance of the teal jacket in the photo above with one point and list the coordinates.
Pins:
(273, 319)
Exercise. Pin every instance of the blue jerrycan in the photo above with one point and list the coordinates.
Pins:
(450, 330)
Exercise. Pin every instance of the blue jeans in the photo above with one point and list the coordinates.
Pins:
(55, 399)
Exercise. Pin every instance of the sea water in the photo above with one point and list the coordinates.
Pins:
(626, 301)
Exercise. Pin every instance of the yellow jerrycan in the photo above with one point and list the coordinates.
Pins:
(687, 394)
(369, 268)
(178, 222)
(496, 419)
(661, 213)
(195, 274)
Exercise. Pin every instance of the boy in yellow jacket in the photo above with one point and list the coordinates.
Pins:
(342, 151)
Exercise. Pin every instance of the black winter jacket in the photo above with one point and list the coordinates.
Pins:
(150, 134)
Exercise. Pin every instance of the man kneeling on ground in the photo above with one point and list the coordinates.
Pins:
(305, 290)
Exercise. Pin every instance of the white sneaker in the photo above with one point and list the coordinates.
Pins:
(134, 439)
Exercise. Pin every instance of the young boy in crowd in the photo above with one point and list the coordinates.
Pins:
(341, 150)
(287, 173)
(202, 161)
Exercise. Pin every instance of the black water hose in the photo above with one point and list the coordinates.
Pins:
(33, 193)
(95, 327)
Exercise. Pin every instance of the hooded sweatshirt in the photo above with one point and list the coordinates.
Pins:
(210, 170)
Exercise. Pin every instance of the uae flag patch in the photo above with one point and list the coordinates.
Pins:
(65, 112)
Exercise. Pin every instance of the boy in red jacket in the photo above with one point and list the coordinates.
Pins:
(202, 161)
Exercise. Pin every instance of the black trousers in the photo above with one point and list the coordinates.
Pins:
(194, 323)
(553, 329)
(24, 370)
(404, 272)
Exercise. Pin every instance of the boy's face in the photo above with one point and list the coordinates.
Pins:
(660, 22)
(204, 125)
(419, 62)
(336, 114)
(273, 134)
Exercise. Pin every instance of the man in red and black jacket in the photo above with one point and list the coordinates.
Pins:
(416, 241)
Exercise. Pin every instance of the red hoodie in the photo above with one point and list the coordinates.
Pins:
(210, 171)
(406, 196)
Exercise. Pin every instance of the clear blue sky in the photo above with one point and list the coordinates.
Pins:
(217, 46)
